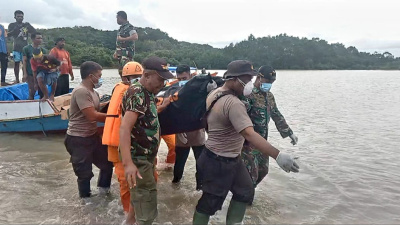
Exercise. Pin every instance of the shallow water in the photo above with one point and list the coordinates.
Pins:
(347, 125)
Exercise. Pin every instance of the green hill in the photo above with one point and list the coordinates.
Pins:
(282, 51)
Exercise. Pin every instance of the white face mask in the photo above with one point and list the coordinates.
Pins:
(248, 88)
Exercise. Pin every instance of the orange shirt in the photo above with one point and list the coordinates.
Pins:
(63, 56)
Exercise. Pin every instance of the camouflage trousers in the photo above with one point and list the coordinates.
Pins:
(256, 163)
(125, 55)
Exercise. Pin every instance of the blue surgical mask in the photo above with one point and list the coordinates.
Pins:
(265, 87)
(99, 83)
(182, 83)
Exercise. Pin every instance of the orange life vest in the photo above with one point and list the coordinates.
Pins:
(112, 124)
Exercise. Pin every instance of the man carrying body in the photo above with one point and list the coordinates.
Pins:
(221, 167)
(19, 31)
(131, 72)
(82, 141)
(27, 53)
(185, 141)
(66, 67)
(140, 137)
(3, 55)
(126, 38)
(261, 107)
(45, 71)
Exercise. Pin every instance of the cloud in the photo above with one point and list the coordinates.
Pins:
(50, 13)
(64, 13)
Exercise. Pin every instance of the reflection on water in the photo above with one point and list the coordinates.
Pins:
(347, 125)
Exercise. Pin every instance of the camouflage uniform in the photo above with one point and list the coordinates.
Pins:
(261, 107)
(145, 141)
(125, 49)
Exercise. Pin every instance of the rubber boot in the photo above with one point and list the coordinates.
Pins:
(236, 212)
(200, 218)
(84, 188)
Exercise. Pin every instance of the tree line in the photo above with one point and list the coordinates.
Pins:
(281, 51)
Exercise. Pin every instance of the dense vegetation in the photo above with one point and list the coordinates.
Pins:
(282, 51)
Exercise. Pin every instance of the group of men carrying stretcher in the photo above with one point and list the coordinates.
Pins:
(234, 157)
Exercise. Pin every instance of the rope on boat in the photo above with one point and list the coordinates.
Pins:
(41, 119)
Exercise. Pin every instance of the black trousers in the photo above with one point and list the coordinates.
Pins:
(182, 154)
(62, 85)
(84, 152)
(4, 65)
(219, 176)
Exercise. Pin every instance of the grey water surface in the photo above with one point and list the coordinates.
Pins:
(348, 128)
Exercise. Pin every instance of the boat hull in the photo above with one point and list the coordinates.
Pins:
(46, 124)
(36, 115)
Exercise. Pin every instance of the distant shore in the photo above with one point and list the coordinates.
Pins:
(11, 65)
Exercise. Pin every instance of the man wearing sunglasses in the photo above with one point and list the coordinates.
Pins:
(261, 107)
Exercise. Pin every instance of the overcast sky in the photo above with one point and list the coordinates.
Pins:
(369, 25)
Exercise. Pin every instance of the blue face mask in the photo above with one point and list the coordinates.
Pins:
(182, 83)
(99, 83)
(265, 87)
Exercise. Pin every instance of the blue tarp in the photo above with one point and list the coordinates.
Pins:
(17, 92)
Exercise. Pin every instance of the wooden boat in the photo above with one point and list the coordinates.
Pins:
(32, 115)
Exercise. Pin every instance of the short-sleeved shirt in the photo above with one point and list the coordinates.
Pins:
(81, 99)
(28, 52)
(145, 135)
(126, 30)
(19, 31)
(63, 56)
(48, 63)
(225, 121)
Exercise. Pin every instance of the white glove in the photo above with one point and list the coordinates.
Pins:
(287, 162)
(294, 138)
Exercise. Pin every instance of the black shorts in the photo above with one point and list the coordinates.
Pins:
(219, 176)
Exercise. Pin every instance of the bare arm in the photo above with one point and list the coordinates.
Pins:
(25, 61)
(259, 142)
(92, 115)
(127, 124)
(71, 72)
(35, 83)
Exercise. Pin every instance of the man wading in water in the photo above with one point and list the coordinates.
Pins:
(140, 137)
(261, 107)
(221, 167)
(82, 141)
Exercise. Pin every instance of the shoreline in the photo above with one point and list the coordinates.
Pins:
(11, 66)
